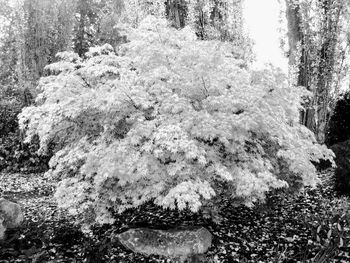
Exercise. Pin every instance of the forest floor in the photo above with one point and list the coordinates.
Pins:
(286, 230)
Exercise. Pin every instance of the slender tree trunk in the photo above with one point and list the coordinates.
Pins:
(295, 34)
(296, 41)
(315, 116)
(332, 10)
(176, 12)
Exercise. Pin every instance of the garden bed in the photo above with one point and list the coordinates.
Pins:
(286, 230)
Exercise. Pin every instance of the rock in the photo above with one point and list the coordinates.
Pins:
(342, 172)
(2, 229)
(11, 216)
(178, 244)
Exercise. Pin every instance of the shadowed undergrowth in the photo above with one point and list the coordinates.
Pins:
(283, 230)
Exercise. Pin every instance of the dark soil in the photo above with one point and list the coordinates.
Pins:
(284, 230)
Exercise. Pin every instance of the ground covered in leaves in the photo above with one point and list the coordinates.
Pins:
(310, 227)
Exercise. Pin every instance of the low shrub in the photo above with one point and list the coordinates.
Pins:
(15, 155)
(339, 123)
(330, 227)
(342, 172)
(11, 105)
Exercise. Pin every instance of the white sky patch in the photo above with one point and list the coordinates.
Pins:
(262, 25)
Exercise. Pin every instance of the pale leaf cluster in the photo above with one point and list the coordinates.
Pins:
(171, 119)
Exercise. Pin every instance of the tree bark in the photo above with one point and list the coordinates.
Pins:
(316, 115)
(332, 11)
(176, 12)
(296, 38)
(295, 34)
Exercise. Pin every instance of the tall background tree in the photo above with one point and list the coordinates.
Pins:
(47, 31)
(315, 33)
(31, 34)
(37, 29)
(211, 19)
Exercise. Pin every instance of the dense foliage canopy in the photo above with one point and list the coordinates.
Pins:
(171, 119)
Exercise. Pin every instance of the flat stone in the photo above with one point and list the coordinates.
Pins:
(11, 216)
(2, 229)
(178, 244)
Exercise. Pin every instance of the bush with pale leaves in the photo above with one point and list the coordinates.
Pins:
(171, 119)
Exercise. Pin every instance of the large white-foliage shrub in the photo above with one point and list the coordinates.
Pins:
(170, 119)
